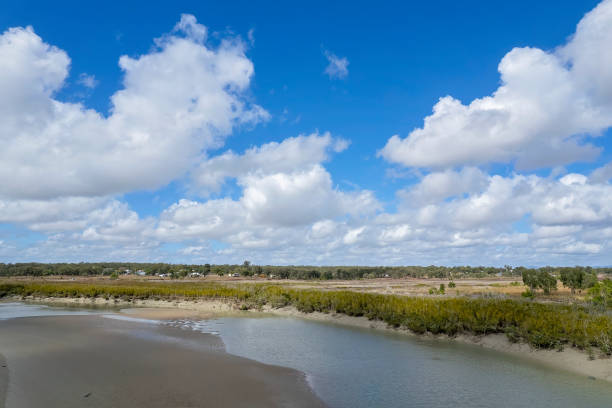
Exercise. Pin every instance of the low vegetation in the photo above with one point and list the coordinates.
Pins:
(541, 325)
(178, 271)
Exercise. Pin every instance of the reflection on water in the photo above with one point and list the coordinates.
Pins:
(351, 367)
(13, 310)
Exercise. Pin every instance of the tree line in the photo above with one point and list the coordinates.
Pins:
(307, 272)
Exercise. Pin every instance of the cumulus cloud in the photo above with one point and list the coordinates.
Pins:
(278, 200)
(442, 185)
(540, 116)
(280, 219)
(64, 166)
(177, 101)
(294, 153)
(94, 218)
(337, 68)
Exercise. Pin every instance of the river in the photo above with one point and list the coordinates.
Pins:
(353, 367)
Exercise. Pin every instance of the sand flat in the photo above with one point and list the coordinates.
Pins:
(76, 361)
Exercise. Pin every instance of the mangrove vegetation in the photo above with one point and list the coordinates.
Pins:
(542, 325)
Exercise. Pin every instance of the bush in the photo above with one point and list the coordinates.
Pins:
(451, 284)
(528, 294)
(600, 294)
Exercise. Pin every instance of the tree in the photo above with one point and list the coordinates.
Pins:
(573, 278)
(546, 281)
(539, 279)
(530, 278)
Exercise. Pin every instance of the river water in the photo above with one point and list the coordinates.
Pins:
(353, 367)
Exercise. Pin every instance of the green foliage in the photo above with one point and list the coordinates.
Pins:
(577, 278)
(601, 294)
(528, 294)
(114, 275)
(282, 272)
(451, 284)
(515, 283)
(539, 279)
(541, 325)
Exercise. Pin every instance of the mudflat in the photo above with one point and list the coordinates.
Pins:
(3, 380)
(93, 361)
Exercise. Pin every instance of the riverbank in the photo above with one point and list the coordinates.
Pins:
(570, 359)
(94, 361)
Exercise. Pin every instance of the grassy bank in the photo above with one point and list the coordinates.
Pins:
(540, 325)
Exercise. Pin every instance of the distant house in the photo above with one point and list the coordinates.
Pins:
(163, 275)
(140, 272)
(235, 275)
(127, 271)
(195, 275)
(387, 275)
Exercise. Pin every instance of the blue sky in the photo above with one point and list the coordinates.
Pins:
(500, 185)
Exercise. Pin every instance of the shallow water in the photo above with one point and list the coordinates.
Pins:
(352, 367)
(13, 310)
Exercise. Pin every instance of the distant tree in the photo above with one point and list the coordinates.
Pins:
(539, 279)
(530, 279)
(547, 282)
(573, 278)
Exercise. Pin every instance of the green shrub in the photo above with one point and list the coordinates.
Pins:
(540, 325)
(600, 294)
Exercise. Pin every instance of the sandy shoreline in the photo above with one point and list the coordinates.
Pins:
(571, 359)
(75, 361)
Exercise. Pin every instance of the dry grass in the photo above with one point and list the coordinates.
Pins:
(387, 286)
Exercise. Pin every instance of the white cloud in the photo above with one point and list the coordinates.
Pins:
(337, 67)
(601, 174)
(184, 97)
(279, 200)
(189, 25)
(292, 154)
(179, 100)
(441, 185)
(538, 117)
(251, 36)
(301, 198)
(88, 81)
